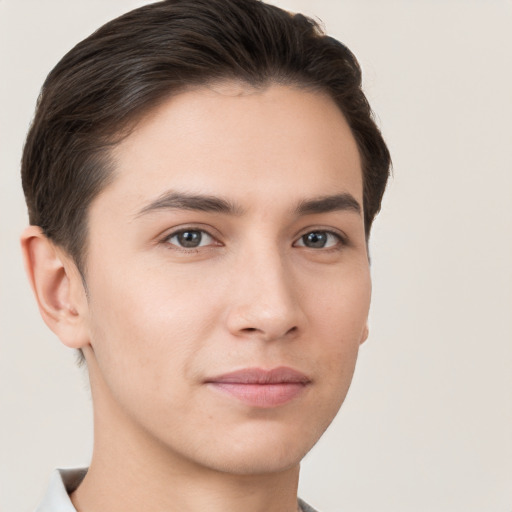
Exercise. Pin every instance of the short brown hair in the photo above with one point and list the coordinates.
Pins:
(106, 82)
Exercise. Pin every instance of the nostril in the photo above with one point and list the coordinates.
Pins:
(249, 330)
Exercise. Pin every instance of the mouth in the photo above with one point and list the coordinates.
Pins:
(261, 388)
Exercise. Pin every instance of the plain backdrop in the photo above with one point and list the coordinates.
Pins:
(427, 425)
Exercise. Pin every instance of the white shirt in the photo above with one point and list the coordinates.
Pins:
(64, 481)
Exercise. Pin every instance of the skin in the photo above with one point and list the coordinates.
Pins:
(158, 320)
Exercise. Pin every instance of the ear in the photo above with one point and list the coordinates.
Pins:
(364, 335)
(57, 286)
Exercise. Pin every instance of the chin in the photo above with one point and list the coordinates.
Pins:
(256, 462)
(260, 452)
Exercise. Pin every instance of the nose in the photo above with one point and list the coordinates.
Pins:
(264, 299)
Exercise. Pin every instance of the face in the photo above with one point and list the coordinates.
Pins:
(228, 278)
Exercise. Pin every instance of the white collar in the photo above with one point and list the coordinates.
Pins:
(62, 483)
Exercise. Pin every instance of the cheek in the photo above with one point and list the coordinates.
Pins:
(148, 325)
(340, 303)
(338, 313)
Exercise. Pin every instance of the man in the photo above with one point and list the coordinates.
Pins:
(201, 178)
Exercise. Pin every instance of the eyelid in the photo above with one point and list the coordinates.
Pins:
(165, 239)
(342, 238)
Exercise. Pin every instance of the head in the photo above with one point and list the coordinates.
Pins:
(204, 86)
(99, 90)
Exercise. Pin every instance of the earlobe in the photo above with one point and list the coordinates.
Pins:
(57, 286)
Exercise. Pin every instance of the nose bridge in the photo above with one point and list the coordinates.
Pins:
(266, 299)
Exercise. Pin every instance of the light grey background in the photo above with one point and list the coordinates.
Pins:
(427, 425)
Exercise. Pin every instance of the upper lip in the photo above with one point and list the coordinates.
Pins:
(280, 375)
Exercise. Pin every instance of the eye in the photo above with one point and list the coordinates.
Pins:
(190, 238)
(319, 240)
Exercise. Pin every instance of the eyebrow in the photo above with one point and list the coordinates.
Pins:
(325, 204)
(206, 203)
(185, 201)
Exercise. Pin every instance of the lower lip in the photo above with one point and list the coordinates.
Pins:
(262, 395)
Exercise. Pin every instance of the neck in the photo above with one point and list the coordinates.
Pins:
(132, 471)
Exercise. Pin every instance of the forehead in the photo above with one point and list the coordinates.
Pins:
(234, 140)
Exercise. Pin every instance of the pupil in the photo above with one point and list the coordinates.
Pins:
(315, 239)
(189, 238)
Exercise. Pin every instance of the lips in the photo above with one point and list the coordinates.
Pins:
(261, 388)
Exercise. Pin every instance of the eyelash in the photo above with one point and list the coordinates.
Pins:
(341, 240)
(169, 237)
